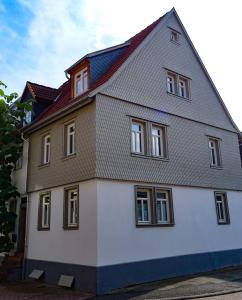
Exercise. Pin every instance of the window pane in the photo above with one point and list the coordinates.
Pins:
(161, 195)
(146, 210)
(158, 210)
(143, 206)
(214, 153)
(164, 211)
(157, 142)
(139, 210)
(141, 194)
(137, 138)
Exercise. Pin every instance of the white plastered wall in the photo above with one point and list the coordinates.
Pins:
(59, 245)
(195, 231)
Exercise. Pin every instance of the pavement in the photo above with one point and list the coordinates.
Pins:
(219, 285)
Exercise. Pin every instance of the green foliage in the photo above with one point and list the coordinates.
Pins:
(12, 113)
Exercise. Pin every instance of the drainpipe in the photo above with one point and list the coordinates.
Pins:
(26, 236)
(27, 212)
(67, 75)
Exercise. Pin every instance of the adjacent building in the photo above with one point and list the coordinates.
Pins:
(134, 169)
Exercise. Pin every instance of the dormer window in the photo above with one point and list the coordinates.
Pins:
(81, 82)
(28, 117)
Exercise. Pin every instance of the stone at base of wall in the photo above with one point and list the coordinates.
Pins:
(101, 280)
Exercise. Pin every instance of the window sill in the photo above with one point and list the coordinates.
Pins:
(69, 156)
(139, 155)
(160, 158)
(156, 225)
(44, 229)
(216, 167)
(174, 42)
(223, 223)
(81, 94)
(44, 165)
(71, 227)
(180, 97)
(165, 159)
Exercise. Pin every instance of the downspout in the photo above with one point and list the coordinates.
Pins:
(27, 211)
(67, 75)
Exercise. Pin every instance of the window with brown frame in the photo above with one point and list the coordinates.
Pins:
(138, 137)
(148, 139)
(44, 211)
(158, 141)
(69, 139)
(46, 149)
(222, 208)
(174, 36)
(154, 206)
(71, 208)
(178, 85)
(214, 152)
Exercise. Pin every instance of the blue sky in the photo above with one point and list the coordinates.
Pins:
(41, 38)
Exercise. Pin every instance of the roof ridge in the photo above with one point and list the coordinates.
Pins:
(44, 86)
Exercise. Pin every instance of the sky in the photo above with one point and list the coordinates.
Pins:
(39, 39)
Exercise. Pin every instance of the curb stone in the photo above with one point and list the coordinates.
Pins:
(206, 295)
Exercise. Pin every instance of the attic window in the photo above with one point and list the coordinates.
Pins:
(81, 82)
(174, 37)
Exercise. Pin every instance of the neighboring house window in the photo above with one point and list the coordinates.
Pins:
(158, 134)
(143, 206)
(137, 137)
(44, 212)
(71, 208)
(28, 117)
(214, 152)
(70, 139)
(178, 85)
(154, 206)
(19, 162)
(222, 208)
(81, 82)
(174, 36)
(46, 149)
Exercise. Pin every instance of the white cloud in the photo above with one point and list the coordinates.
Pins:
(62, 31)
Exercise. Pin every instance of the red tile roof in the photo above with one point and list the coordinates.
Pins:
(64, 98)
(42, 92)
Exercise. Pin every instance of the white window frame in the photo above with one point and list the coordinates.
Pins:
(222, 208)
(81, 82)
(137, 138)
(167, 203)
(70, 139)
(170, 83)
(46, 149)
(45, 207)
(214, 152)
(142, 200)
(157, 141)
(72, 216)
(182, 88)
